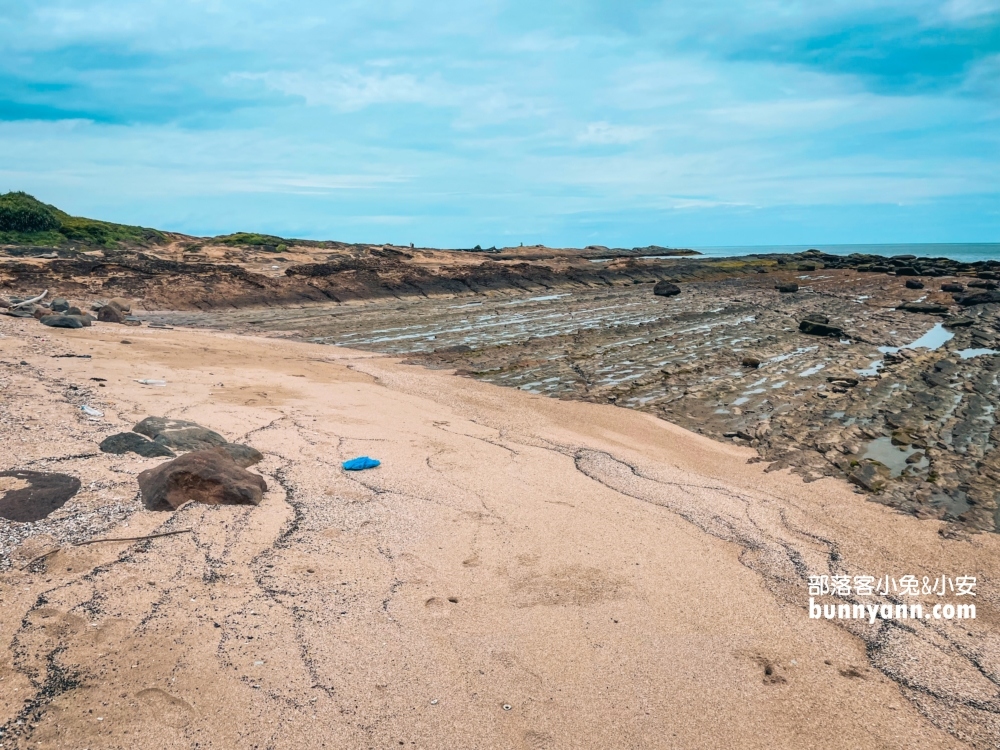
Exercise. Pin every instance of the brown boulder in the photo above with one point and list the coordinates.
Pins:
(206, 476)
(111, 314)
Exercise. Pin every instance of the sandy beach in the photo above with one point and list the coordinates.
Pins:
(519, 572)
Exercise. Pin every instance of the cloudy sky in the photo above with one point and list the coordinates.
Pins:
(697, 123)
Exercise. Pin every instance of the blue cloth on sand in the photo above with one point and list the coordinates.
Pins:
(361, 462)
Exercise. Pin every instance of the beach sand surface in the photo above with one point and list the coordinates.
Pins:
(520, 572)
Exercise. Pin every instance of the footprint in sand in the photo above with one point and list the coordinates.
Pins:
(165, 708)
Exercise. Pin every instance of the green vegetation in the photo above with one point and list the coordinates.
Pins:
(251, 239)
(25, 220)
(19, 212)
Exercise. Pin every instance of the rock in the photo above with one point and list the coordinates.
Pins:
(751, 362)
(816, 318)
(843, 381)
(35, 495)
(788, 288)
(243, 455)
(206, 476)
(983, 284)
(110, 314)
(65, 321)
(133, 442)
(60, 305)
(979, 298)
(21, 312)
(906, 271)
(952, 287)
(929, 308)
(869, 475)
(666, 289)
(914, 284)
(915, 458)
(807, 266)
(820, 329)
(957, 321)
(179, 434)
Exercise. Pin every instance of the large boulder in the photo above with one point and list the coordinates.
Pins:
(666, 289)
(60, 305)
(906, 271)
(65, 321)
(133, 442)
(179, 434)
(207, 476)
(110, 314)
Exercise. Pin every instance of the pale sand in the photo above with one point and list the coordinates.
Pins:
(618, 581)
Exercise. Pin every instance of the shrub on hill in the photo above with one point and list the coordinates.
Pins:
(20, 212)
(25, 220)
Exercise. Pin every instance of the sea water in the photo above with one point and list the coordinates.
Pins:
(968, 252)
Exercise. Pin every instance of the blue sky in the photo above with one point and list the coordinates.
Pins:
(679, 123)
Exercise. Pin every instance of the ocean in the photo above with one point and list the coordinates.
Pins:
(956, 251)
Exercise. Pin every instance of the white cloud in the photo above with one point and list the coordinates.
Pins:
(606, 133)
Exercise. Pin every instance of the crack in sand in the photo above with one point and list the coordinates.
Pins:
(973, 703)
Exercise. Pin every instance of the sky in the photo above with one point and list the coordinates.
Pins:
(452, 124)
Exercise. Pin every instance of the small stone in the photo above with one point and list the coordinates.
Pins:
(788, 288)
(751, 362)
(914, 284)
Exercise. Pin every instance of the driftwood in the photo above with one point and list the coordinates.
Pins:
(31, 301)
(42, 556)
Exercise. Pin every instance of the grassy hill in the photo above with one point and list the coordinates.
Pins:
(25, 220)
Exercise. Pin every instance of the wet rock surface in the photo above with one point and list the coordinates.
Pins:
(28, 496)
(816, 404)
